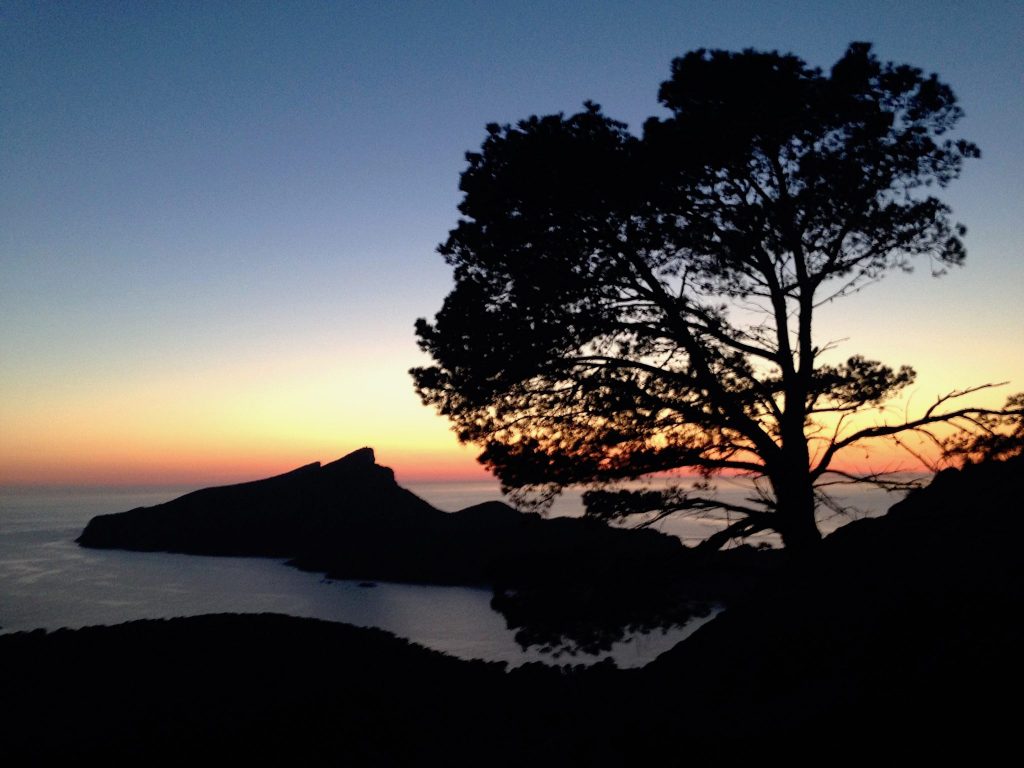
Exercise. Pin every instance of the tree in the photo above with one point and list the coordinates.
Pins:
(625, 305)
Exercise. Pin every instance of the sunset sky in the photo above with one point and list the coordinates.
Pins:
(218, 220)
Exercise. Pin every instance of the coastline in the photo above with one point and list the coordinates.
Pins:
(902, 635)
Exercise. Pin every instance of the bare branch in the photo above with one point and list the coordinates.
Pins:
(878, 479)
(887, 430)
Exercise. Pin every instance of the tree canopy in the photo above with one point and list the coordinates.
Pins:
(625, 305)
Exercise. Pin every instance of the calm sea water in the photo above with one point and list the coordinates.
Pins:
(48, 581)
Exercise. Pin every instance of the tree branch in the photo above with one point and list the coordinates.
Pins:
(930, 417)
(722, 399)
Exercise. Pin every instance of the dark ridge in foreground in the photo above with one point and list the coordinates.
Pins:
(901, 638)
(903, 633)
(230, 687)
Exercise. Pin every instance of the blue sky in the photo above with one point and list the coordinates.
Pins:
(217, 220)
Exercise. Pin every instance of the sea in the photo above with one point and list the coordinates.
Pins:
(47, 581)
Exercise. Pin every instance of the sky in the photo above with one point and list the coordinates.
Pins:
(218, 220)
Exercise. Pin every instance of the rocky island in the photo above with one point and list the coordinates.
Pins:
(350, 519)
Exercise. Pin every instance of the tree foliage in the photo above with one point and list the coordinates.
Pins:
(625, 305)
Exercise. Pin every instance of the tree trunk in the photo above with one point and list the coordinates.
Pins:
(791, 480)
(797, 526)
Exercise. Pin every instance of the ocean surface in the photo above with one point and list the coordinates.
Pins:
(48, 581)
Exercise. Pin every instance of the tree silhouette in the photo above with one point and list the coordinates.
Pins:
(625, 305)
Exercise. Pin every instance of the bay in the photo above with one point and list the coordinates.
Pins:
(48, 581)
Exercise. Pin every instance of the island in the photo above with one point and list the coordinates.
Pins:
(350, 519)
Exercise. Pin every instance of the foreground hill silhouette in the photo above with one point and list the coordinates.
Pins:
(903, 632)
(901, 638)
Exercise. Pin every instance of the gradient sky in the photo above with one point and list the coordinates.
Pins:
(218, 220)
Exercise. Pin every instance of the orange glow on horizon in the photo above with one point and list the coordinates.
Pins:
(213, 468)
(219, 467)
(238, 423)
